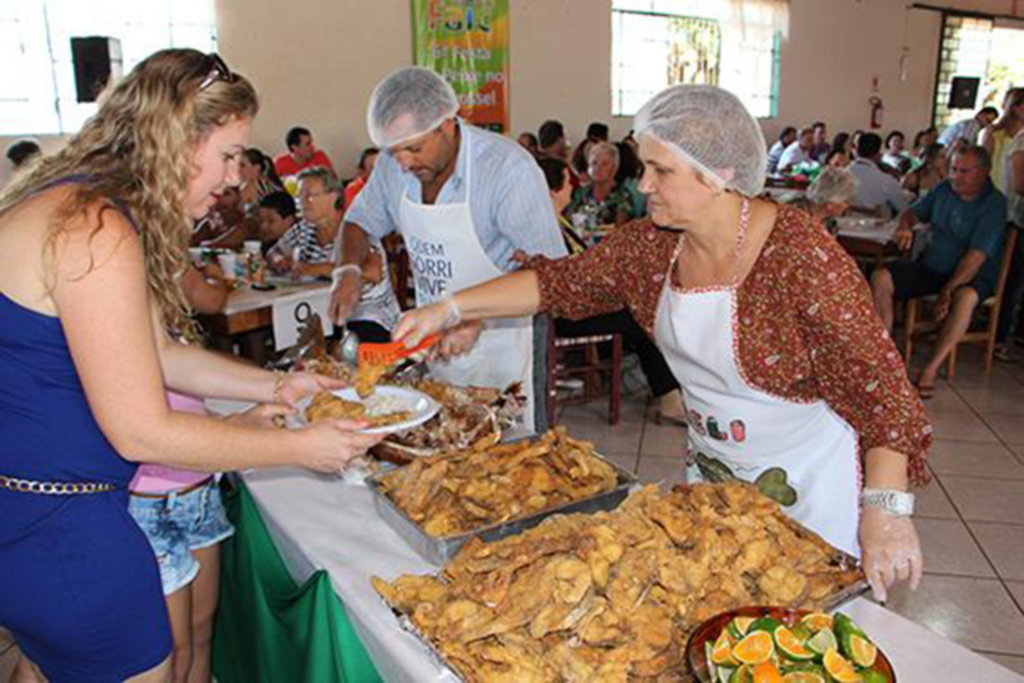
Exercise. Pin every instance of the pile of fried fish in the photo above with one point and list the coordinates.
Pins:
(460, 492)
(613, 596)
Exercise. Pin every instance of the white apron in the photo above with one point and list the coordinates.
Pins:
(802, 454)
(446, 256)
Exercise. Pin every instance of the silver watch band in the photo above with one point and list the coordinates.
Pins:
(892, 501)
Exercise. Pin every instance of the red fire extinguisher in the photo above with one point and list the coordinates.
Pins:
(877, 108)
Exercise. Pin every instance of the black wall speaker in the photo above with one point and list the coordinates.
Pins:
(964, 92)
(97, 60)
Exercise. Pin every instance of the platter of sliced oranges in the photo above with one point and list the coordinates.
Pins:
(779, 645)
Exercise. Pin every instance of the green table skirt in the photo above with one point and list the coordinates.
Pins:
(269, 628)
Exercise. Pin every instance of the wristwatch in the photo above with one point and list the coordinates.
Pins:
(895, 502)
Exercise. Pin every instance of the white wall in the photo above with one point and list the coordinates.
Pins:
(315, 63)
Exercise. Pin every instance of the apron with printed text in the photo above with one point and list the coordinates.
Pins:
(446, 256)
(803, 455)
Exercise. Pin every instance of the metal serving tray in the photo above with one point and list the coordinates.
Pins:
(440, 550)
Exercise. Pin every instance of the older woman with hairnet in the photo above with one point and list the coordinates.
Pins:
(830, 196)
(465, 200)
(790, 380)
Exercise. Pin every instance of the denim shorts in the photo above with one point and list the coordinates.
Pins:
(177, 525)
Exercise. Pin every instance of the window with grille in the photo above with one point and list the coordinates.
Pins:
(659, 43)
(977, 47)
(37, 91)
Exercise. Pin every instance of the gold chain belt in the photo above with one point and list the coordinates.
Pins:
(52, 488)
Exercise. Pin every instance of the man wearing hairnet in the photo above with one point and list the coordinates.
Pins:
(464, 200)
(790, 381)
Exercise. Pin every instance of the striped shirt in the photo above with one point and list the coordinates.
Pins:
(509, 199)
(303, 236)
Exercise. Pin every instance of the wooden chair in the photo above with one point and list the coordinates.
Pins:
(587, 365)
(915, 327)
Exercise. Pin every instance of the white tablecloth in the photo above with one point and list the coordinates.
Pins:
(248, 299)
(872, 229)
(322, 522)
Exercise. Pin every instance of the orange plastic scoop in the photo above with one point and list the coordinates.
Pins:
(392, 352)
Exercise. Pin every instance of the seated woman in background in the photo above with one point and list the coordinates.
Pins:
(932, 171)
(311, 248)
(837, 158)
(259, 179)
(895, 157)
(841, 153)
(608, 202)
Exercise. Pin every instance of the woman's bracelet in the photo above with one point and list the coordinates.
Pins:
(279, 378)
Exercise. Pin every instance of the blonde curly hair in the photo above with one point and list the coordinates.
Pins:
(136, 155)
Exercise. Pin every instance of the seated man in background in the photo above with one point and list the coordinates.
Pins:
(877, 191)
(966, 217)
(786, 138)
(968, 129)
(311, 248)
(820, 146)
(367, 160)
(301, 154)
(277, 216)
(799, 152)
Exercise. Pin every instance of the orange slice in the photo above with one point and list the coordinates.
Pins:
(862, 651)
(767, 672)
(817, 621)
(840, 668)
(803, 677)
(755, 648)
(721, 653)
(790, 645)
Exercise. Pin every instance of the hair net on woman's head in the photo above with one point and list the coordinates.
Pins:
(833, 186)
(712, 131)
(408, 103)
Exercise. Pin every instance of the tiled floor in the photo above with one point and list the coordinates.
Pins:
(970, 519)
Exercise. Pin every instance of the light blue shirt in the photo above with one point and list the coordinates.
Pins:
(509, 200)
(877, 188)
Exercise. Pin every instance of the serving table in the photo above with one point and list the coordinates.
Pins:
(329, 523)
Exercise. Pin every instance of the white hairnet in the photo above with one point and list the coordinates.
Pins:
(712, 131)
(409, 102)
(833, 186)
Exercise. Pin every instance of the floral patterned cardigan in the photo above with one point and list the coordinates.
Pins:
(805, 325)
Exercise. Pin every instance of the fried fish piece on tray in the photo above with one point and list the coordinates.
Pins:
(466, 490)
(613, 596)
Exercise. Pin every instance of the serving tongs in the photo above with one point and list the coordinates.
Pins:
(354, 352)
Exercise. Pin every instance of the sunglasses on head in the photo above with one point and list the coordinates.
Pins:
(216, 70)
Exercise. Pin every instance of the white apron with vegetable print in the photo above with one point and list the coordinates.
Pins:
(801, 454)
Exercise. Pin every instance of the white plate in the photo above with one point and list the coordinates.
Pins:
(422, 406)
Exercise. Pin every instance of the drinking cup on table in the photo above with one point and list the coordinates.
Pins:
(227, 262)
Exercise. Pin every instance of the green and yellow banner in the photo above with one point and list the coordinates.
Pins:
(466, 41)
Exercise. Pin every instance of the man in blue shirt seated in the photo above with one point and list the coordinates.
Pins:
(966, 217)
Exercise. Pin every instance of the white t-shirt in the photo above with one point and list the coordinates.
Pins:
(791, 157)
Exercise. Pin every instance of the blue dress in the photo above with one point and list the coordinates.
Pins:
(79, 585)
